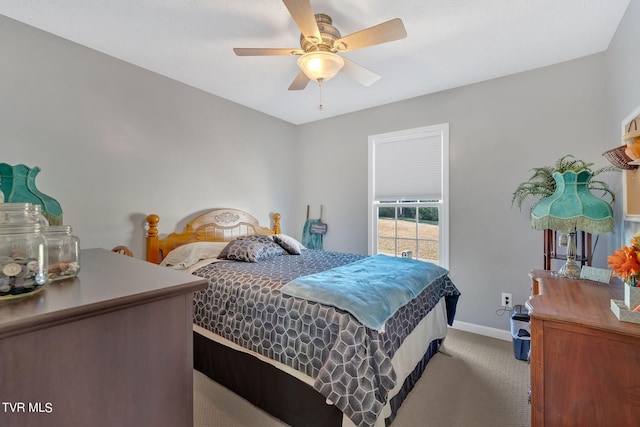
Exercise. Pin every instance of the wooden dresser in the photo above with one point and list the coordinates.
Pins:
(585, 363)
(112, 347)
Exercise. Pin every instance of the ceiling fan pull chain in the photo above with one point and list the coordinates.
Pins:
(320, 85)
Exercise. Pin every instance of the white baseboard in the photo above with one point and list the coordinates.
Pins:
(500, 334)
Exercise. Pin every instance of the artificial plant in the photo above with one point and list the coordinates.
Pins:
(542, 184)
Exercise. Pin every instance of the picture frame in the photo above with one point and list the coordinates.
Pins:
(630, 180)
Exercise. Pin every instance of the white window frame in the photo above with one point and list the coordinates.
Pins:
(439, 130)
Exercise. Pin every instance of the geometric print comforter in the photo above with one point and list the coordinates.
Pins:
(350, 363)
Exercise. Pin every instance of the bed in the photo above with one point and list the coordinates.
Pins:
(263, 332)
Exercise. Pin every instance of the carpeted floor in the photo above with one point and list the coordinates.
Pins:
(479, 384)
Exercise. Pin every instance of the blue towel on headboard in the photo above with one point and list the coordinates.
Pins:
(371, 289)
(311, 240)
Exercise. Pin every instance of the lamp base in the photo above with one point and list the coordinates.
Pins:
(571, 270)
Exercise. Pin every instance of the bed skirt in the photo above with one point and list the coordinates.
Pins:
(277, 392)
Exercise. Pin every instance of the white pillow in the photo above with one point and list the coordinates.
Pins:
(187, 255)
(291, 245)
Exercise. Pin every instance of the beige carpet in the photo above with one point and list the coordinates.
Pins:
(479, 384)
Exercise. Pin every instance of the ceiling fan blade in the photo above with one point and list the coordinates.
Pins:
(359, 73)
(302, 14)
(242, 51)
(300, 82)
(378, 34)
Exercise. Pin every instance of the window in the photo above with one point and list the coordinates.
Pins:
(409, 192)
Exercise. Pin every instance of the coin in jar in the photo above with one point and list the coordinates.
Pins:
(12, 269)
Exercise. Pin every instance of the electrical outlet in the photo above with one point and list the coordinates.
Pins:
(506, 300)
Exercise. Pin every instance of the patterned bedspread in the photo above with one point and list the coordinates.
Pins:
(351, 364)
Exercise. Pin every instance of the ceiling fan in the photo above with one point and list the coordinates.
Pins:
(320, 43)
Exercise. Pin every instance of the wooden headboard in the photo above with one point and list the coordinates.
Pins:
(218, 225)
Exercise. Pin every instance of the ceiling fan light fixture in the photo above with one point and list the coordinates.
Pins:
(313, 40)
(340, 46)
(320, 65)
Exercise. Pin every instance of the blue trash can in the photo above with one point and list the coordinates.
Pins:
(520, 332)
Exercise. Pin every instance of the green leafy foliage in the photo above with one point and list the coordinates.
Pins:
(541, 184)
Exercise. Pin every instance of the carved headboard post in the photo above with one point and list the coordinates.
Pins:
(153, 250)
(276, 223)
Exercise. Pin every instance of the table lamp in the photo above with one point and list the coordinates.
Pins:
(570, 208)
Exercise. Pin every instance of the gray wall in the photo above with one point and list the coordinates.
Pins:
(116, 142)
(499, 130)
(623, 86)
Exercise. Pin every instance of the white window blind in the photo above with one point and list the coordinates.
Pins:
(408, 167)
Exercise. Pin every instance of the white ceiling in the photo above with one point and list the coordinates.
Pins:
(450, 43)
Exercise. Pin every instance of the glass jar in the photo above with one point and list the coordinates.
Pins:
(36, 210)
(19, 214)
(64, 252)
(23, 260)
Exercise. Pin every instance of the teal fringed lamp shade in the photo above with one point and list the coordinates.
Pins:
(572, 207)
(18, 185)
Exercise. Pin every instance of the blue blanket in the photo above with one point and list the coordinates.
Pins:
(371, 289)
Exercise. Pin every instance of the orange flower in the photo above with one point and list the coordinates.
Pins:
(625, 262)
